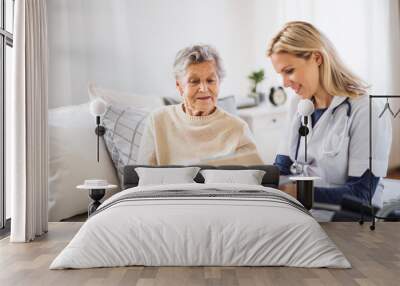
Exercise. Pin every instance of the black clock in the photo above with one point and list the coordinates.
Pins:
(277, 96)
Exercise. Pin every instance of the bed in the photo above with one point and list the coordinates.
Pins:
(201, 224)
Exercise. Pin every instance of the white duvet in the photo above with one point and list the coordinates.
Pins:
(185, 231)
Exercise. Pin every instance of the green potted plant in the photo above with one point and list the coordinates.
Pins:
(256, 77)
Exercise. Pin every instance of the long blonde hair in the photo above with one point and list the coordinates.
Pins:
(302, 39)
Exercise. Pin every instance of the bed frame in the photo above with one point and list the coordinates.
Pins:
(270, 179)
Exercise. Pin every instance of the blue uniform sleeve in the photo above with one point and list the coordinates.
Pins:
(283, 163)
(357, 187)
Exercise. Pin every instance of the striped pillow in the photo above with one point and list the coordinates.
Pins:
(124, 129)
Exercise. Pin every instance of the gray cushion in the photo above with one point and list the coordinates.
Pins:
(227, 103)
(124, 129)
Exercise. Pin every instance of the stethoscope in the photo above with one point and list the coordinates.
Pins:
(297, 168)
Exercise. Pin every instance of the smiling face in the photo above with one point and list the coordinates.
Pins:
(302, 75)
(199, 88)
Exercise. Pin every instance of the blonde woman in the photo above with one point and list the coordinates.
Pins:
(338, 142)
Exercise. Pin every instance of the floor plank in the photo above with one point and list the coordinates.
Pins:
(374, 255)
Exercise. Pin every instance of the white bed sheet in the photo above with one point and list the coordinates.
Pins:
(200, 231)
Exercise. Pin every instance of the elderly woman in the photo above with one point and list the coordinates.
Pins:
(197, 131)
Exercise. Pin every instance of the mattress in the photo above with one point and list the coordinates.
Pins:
(201, 225)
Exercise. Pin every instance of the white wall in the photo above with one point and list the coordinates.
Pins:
(130, 45)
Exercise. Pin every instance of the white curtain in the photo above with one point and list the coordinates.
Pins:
(27, 123)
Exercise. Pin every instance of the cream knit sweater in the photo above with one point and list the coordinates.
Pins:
(174, 137)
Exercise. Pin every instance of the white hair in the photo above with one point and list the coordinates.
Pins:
(195, 55)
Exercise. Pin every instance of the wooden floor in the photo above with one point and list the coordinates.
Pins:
(374, 255)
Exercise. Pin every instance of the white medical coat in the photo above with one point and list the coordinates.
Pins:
(338, 145)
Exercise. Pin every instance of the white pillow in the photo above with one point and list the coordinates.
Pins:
(165, 176)
(73, 159)
(248, 177)
(111, 97)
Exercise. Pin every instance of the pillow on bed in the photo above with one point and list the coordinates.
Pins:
(163, 176)
(72, 159)
(248, 177)
(112, 97)
(124, 129)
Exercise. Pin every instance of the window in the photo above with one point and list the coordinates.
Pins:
(6, 44)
